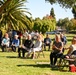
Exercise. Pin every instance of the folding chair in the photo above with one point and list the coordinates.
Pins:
(9, 49)
(62, 64)
(65, 63)
(39, 53)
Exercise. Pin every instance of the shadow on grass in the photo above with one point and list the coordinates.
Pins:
(11, 57)
(69, 39)
(44, 66)
(60, 68)
(17, 57)
(36, 65)
(55, 69)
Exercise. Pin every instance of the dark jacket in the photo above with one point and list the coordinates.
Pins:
(47, 39)
(28, 43)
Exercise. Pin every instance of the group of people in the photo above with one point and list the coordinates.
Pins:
(6, 42)
(58, 49)
(33, 44)
(29, 45)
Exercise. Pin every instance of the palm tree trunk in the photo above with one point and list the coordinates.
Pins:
(4, 5)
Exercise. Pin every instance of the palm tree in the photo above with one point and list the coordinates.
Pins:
(13, 14)
(3, 5)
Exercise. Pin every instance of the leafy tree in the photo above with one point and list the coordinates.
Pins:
(59, 23)
(3, 4)
(44, 25)
(12, 14)
(37, 25)
(65, 23)
(63, 3)
(52, 13)
(48, 25)
(37, 19)
(74, 11)
(74, 24)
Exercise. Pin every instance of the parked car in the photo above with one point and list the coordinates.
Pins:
(53, 32)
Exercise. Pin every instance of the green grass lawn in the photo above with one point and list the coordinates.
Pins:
(10, 64)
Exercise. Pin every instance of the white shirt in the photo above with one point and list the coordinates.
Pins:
(73, 47)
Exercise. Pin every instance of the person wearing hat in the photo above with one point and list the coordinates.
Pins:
(15, 43)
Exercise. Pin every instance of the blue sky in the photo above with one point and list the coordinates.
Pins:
(40, 8)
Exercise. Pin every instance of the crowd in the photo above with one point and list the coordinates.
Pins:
(29, 42)
(35, 41)
(58, 49)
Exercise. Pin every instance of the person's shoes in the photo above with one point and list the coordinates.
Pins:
(19, 56)
(23, 57)
(44, 49)
(32, 56)
(52, 66)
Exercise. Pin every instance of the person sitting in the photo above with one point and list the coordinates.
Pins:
(35, 35)
(47, 42)
(37, 46)
(5, 42)
(25, 34)
(15, 43)
(63, 38)
(56, 50)
(28, 44)
(72, 52)
(0, 36)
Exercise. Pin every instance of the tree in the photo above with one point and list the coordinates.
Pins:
(65, 24)
(37, 25)
(63, 3)
(74, 24)
(52, 13)
(13, 15)
(74, 11)
(48, 24)
(59, 23)
(3, 5)
(45, 24)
